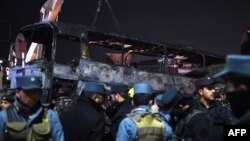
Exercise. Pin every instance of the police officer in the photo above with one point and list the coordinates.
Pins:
(27, 119)
(142, 124)
(120, 106)
(84, 121)
(215, 111)
(192, 124)
(167, 102)
(6, 101)
(237, 76)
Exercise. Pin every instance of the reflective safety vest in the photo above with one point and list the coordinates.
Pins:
(150, 127)
(17, 128)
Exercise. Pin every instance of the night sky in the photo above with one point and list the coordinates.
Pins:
(212, 25)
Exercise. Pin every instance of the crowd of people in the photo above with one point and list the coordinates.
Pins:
(138, 114)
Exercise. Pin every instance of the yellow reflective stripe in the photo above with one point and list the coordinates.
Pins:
(150, 131)
(148, 127)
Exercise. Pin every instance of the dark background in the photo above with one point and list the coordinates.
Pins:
(212, 25)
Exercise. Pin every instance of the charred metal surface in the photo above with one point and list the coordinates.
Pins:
(36, 69)
(75, 30)
(65, 72)
(114, 41)
(99, 72)
(63, 103)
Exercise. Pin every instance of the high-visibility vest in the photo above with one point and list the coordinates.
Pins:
(149, 127)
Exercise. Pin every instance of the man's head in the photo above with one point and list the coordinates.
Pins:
(183, 106)
(169, 100)
(6, 101)
(237, 82)
(118, 92)
(237, 76)
(95, 92)
(205, 89)
(28, 90)
(142, 94)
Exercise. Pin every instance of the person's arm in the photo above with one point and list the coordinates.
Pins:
(127, 130)
(57, 131)
(168, 132)
(230, 119)
(223, 115)
(2, 126)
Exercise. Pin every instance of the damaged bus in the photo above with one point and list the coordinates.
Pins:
(66, 56)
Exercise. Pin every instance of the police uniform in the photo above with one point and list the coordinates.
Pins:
(84, 121)
(167, 101)
(21, 123)
(117, 112)
(239, 101)
(216, 113)
(193, 126)
(141, 123)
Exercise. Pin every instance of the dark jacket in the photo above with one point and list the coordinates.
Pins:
(219, 116)
(245, 119)
(83, 121)
(198, 128)
(245, 48)
(117, 114)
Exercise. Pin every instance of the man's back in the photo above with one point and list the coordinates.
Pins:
(83, 122)
(195, 126)
(118, 115)
(139, 125)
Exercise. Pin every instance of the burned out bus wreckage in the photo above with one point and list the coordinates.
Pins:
(66, 56)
